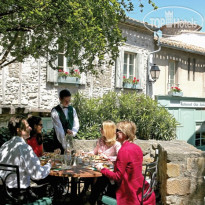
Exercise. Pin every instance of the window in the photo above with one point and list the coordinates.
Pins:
(171, 73)
(63, 63)
(194, 68)
(188, 68)
(129, 65)
(200, 134)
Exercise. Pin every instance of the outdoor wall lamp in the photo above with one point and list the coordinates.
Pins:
(155, 71)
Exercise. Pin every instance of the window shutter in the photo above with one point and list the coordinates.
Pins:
(140, 67)
(119, 69)
(82, 78)
(52, 75)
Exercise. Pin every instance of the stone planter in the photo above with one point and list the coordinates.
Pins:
(69, 80)
(131, 86)
(172, 93)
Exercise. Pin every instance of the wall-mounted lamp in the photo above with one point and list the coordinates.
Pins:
(155, 71)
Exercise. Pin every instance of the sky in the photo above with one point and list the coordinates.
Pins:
(188, 10)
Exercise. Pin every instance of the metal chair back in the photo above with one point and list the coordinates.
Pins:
(151, 172)
(10, 170)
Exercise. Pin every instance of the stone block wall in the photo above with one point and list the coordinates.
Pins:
(181, 170)
(25, 85)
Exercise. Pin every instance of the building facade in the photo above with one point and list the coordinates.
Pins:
(33, 87)
(182, 64)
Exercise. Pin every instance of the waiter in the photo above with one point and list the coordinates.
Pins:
(65, 120)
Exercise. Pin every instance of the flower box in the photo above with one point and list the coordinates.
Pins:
(136, 86)
(173, 93)
(127, 85)
(69, 80)
(131, 86)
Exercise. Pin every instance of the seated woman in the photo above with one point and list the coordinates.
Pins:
(128, 168)
(36, 139)
(107, 146)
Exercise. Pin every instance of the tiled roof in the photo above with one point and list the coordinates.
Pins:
(181, 46)
(135, 22)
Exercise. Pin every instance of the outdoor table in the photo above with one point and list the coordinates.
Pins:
(76, 172)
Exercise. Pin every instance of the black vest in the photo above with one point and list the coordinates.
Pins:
(66, 123)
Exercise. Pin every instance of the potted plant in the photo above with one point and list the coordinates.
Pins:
(135, 83)
(129, 83)
(73, 77)
(175, 91)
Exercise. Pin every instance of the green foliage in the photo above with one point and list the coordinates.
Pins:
(83, 29)
(152, 120)
(4, 135)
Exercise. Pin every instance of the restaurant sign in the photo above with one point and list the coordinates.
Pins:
(179, 103)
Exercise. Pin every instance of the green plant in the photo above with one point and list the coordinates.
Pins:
(73, 73)
(176, 89)
(4, 135)
(130, 81)
(152, 120)
(135, 81)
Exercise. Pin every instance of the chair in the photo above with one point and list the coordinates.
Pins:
(10, 169)
(6, 196)
(151, 173)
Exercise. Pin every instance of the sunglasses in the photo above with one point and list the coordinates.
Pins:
(117, 130)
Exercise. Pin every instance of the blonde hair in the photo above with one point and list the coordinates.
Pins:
(128, 128)
(109, 132)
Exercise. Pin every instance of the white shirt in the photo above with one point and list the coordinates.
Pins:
(58, 125)
(17, 152)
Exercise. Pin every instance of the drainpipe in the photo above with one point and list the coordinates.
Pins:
(149, 87)
(39, 83)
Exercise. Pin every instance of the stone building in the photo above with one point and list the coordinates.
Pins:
(33, 86)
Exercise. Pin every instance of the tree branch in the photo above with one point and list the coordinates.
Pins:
(9, 48)
(1, 66)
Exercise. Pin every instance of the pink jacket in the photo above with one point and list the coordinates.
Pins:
(128, 174)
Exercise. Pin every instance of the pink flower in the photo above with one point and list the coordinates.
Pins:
(124, 77)
(66, 73)
(60, 70)
(76, 70)
(134, 78)
(138, 80)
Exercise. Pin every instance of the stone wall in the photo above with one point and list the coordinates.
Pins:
(181, 170)
(24, 85)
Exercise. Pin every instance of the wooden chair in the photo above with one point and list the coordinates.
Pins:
(6, 196)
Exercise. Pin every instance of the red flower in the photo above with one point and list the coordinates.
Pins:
(60, 70)
(124, 77)
(134, 78)
(133, 81)
(66, 73)
(138, 80)
(76, 70)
